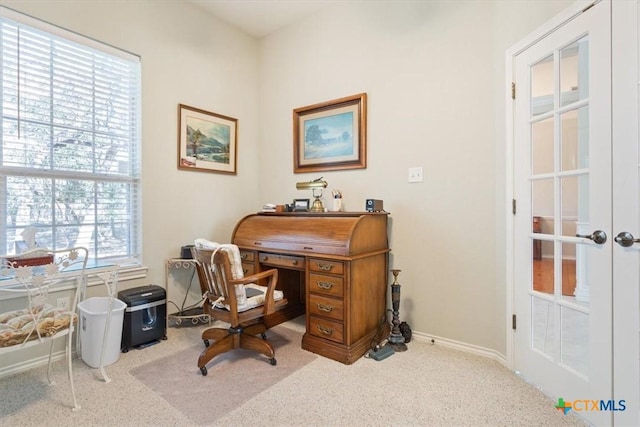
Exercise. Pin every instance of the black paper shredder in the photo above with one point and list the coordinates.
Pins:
(145, 317)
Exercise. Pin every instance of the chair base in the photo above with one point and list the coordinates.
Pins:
(235, 337)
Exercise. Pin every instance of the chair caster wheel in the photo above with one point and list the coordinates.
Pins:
(206, 343)
(273, 361)
(263, 336)
(204, 371)
(125, 350)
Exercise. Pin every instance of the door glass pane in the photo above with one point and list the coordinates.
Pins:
(568, 269)
(575, 205)
(574, 72)
(542, 204)
(574, 141)
(542, 86)
(542, 323)
(542, 270)
(542, 146)
(574, 339)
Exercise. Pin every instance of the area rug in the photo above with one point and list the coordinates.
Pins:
(232, 379)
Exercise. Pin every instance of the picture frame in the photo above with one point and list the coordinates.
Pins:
(331, 135)
(301, 205)
(206, 141)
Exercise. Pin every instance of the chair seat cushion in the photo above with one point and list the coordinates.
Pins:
(255, 297)
(19, 326)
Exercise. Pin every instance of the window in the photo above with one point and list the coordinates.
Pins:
(70, 149)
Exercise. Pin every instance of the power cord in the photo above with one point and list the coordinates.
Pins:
(182, 309)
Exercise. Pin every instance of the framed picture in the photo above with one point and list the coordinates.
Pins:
(331, 135)
(300, 205)
(206, 141)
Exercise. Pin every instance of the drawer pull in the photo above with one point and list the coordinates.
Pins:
(324, 285)
(265, 258)
(325, 267)
(325, 330)
(243, 256)
(257, 243)
(245, 271)
(324, 307)
(295, 262)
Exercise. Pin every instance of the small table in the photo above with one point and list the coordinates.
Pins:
(194, 315)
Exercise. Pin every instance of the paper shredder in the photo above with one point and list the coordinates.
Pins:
(145, 317)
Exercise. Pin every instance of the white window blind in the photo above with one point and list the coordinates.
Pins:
(70, 159)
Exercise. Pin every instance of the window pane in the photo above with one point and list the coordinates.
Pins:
(574, 72)
(69, 162)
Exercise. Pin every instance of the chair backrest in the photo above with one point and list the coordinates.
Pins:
(31, 279)
(214, 274)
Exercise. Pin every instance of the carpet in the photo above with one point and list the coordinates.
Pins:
(233, 377)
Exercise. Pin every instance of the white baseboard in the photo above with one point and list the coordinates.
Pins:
(457, 345)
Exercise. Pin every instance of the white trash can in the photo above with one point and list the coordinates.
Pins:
(93, 319)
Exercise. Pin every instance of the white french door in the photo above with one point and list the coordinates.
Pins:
(562, 240)
(576, 229)
(626, 210)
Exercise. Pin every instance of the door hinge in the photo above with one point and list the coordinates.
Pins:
(513, 90)
(513, 206)
(513, 322)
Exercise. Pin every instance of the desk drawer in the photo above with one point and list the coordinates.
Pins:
(248, 256)
(327, 285)
(324, 266)
(327, 329)
(327, 307)
(286, 261)
(248, 268)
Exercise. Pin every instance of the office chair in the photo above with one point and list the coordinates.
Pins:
(239, 301)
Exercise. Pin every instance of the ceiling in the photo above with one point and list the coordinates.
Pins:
(261, 17)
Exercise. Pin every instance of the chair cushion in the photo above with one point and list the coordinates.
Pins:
(255, 297)
(18, 326)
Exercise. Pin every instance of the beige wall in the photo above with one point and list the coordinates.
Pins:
(434, 74)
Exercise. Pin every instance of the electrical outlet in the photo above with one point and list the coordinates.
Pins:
(64, 302)
(415, 174)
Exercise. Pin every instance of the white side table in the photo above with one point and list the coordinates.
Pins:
(193, 314)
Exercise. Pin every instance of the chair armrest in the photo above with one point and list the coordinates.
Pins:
(272, 275)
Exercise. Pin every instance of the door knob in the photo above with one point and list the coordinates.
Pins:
(625, 239)
(599, 237)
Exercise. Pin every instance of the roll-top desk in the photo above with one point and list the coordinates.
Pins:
(334, 264)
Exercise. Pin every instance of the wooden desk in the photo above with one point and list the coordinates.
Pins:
(333, 264)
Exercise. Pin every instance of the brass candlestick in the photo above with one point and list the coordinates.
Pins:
(396, 340)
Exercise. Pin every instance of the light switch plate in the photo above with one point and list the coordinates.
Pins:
(415, 174)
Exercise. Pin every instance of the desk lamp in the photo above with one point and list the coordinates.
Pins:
(315, 185)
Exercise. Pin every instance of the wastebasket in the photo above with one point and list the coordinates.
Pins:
(93, 319)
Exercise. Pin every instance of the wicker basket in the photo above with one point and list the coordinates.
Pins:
(32, 261)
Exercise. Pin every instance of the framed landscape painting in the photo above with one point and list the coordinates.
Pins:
(331, 135)
(206, 141)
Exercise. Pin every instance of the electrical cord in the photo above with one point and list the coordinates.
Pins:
(182, 309)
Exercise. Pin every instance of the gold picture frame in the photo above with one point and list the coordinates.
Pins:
(331, 135)
(206, 141)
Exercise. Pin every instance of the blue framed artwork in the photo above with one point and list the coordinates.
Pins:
(331, 135)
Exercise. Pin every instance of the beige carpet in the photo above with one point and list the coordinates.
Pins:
(232, 379)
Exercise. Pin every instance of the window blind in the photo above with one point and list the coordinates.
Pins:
(70, 157)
